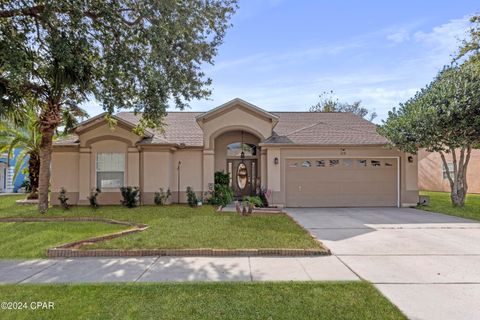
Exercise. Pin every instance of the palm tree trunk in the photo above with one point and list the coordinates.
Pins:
(49, 121)
(33, 173)
(44, 174)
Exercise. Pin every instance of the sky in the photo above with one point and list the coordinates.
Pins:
(281, 55)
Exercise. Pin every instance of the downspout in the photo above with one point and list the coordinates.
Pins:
(178, 182)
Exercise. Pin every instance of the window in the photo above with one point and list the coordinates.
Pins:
(375, 163)
(306, 164)
(388, 164)
(293, 165)
(362, 163)
(110, 170)
(334, 163)
(320, 163)
(450, 169)
(235, 149)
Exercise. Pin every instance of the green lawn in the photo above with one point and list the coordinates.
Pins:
(177, 227)
(293, 300)
(440, 202)
(32, 239)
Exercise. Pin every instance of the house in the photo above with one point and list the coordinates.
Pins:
(303, 159)
(7, 169)
(433, 176)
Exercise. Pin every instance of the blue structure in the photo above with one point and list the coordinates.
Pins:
(7, 171)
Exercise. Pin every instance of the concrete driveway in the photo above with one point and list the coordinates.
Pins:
(428, 264)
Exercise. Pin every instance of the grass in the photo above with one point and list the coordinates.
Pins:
(440, 202)
(178, 227)
(32, 239)
(293, 300)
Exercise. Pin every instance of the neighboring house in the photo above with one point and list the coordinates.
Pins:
(433, 177)
(7, 169)
(303, 159)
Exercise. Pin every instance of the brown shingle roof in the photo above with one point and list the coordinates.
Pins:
(180, 127)
(316, 128)
(330, 128)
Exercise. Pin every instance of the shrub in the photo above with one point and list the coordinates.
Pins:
(254, 200)
(222, 178)
(263, 197)
(131, 196)
(161, 197)
(191, 197)
(63, 199)
(93, 198)
(26, 184)
(222, 193)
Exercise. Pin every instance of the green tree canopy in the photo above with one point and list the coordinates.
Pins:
(443, 117)
(139, 55)
(328, 103)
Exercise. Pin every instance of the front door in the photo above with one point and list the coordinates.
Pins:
(243, 176)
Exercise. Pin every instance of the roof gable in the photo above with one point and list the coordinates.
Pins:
(94, 122)
(236, 103)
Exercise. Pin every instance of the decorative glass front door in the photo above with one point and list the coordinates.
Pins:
(243, 176)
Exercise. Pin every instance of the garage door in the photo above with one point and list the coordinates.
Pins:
(328, 182)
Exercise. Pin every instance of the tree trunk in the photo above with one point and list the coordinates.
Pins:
(33, 172)
(458, 183)
(49, 121)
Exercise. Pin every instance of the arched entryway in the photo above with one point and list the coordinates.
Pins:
(237, 153)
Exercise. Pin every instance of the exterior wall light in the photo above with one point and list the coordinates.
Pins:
(410, 159)
(275, 160)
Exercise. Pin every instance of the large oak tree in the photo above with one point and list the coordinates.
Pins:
(140, 55)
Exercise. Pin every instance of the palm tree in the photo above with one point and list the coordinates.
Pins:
(20, 130)
(23, 134)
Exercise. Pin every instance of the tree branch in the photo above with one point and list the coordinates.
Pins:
(36, 10)
(445, 165)
(31, 11)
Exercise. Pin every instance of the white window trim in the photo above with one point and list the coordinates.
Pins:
(97, 171)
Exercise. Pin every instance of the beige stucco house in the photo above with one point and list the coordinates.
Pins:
(433, 177)
(303, 159)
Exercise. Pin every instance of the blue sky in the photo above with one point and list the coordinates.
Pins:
(280, 55)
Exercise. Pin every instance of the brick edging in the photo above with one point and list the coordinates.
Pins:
(135, 227)
(70, 253)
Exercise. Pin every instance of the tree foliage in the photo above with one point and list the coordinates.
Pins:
(470, 48)
(443, 117)
(139, 55)
(328, 103)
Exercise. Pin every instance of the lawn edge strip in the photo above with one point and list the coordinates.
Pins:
(134, 228)
(71, 253)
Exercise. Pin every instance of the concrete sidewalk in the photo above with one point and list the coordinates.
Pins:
(159, 269)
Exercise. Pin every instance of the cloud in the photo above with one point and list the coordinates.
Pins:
(399, 37)
(444, 39)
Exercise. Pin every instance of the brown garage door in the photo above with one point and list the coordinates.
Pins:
(329, 182)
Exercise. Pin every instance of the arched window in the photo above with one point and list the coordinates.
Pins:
(235, 149)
